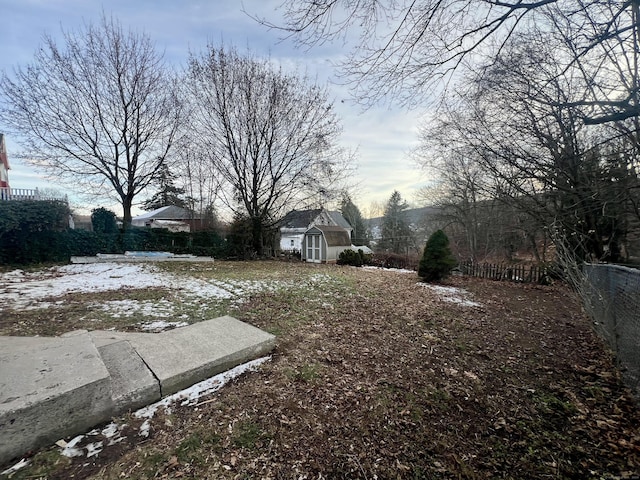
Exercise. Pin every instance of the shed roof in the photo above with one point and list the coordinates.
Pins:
(335, 236)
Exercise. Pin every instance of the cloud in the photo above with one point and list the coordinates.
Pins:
(382, 136)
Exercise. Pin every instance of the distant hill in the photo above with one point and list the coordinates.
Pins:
(418, 220)
(414, 215)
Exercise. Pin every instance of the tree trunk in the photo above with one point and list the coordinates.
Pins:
(126, 212)
(257, 236)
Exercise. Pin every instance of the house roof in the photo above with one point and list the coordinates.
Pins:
(335, 236)
(299, 218)
(339, 220)
(170, 212)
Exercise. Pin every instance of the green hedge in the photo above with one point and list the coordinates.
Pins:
(59, 246)
(353, 258)
(32, 231)
(38, 232)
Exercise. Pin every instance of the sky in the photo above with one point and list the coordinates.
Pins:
(382, 135)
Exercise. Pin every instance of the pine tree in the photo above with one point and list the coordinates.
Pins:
(167, 194)
(396, 233)
(351, 213)
(437, 259)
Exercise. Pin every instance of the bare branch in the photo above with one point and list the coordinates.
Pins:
(99, 109)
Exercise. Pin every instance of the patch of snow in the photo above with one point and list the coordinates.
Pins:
(444, 290)
(396, 270)
(190, 396)
(160, 325)
(462, 301)
(145, 428)
(128, 308)
(112, 433)
(21, 464)
(28, 289)
(70, 449)
(451, 294)
(93, 449)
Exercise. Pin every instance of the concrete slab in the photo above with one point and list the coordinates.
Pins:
(184, 356)
(55, 387)
(133, 384)
(119, 258)
(49, 388)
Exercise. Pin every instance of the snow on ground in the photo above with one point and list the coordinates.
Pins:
(451, 294)
(397, 270)
(191, 395)
(26, 290)
(20, 289)
(129, 308)
(161, 326)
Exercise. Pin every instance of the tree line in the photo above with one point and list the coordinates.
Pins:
(534, 133)
(534, 136)
(102, 110)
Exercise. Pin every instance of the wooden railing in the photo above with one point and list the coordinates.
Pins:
(511, 273)
(26, 194)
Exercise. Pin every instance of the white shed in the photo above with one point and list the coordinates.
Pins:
(323, 244)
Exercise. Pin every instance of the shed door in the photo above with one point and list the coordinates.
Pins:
(313, 248)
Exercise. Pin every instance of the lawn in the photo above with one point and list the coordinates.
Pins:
(374, 376)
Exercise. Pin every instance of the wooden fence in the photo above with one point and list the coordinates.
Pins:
(511, 273)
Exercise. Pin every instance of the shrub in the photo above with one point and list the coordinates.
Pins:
(103, 221)
(30, 231)
(394, 260)
(437, 259)
(353, 258)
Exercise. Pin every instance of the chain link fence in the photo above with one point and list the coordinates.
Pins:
(611, 296)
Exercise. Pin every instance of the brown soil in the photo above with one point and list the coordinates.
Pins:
(390, 381)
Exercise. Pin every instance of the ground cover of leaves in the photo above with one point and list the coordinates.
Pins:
(377, 376)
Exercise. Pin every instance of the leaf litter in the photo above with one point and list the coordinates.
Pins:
(375, 377)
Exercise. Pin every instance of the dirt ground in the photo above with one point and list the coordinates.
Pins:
(384, 379)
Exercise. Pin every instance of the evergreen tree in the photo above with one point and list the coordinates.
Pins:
(437, 259)
(351, 213)
(396, 233)
(103, 221)
(167, 194)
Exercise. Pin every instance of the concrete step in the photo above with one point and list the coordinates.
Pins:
(54, 387)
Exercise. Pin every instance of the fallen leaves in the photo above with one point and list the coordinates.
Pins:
(392, 382)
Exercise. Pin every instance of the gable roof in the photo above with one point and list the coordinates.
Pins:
(299, 218)
(339, 220)
(335, 236)
(170, 212)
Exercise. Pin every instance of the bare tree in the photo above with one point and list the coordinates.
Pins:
(270, 136)
(406, 49)
(99, 111)
(200, 182)
(460, 196)
(515, 122)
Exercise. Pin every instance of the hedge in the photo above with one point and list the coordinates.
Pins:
(38, 232)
